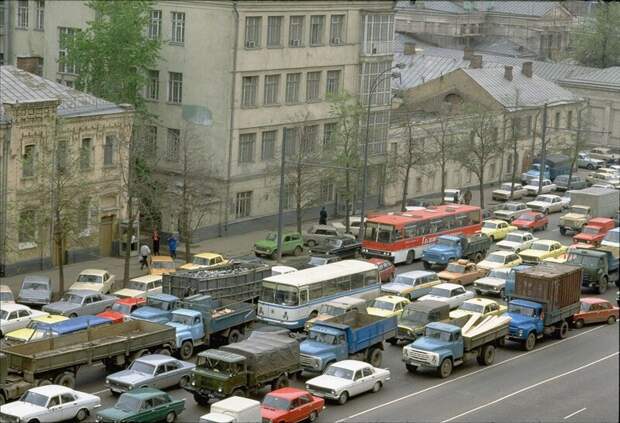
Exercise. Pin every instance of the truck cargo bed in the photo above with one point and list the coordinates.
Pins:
(554, 285)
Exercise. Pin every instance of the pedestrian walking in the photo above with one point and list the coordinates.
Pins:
(155, 238)
(172, 246)
(467, 196)
(323, 216)
(145, 252)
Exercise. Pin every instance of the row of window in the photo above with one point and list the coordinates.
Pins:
(177, 26)
(296, 31)
(27, 223)
(523, 125)
(272, 87)
(23, 15)
(175, 86)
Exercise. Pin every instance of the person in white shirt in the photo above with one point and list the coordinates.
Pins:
(145, 252)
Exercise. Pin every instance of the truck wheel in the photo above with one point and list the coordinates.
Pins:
(478, 292)
(163, 351)
(611, 320)
(579, 324)
(530, 342)
(562, 231)
(186, 350)
(73, 315)
(411, 368)
(44, 382)
(234, 336)
(427, 265)
(602, 285)
(410, 257)
(375, 357)
(66, 379)
(201, 399)
(2, 399)
(343, 398)
(81, 414)
(590, 166)
(238, 393)
(562, 330)
(487, 355)
(281, 382)
(445, 369)
(171, 417)
(297, 251)
(478, 257)
(393, 341)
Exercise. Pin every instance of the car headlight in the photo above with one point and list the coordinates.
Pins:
(219, 389)
(520, 332)
(443, 257)
(332, 391)
(193, 383)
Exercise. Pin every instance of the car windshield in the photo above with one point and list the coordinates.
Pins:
(526, 217)
(128, 403)
(200, 261)
(489, 225)
(182, 319)
(34, 399)
(138, 286)
(582, 259)
(590, 230)
(440, 292)
(505, 187)
(379, 233)
(414, 316)
(476, 308)
(279, 294)
(497, 273)
(121, 308)
(218, 366)
(331, 310)
(519, 309)
(339, 372)
(383, 305)
(540, 247)
(455, 268)
(405, 280)
(543, 198)
(323, 338)
(334, 243)
(90, 278)
(162, 305)
(6, 296)
(3, 314)
(317, 261)
(141, 367)
(437, 334)
(514, 238)
(495, 258)
(613, 236)
(279, 403)
(72, 298)
(272, 236)
(446, 242)
(579, 210)
(585, 307)
(162, 265)
(37, 286)
(513, 207)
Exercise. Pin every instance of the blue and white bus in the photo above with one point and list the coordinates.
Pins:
(289, 300)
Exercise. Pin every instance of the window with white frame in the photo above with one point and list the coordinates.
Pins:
(65, 36)
(26, 226)
(378, 131)
(85, 153)
(243, 204)
(22, 14)
(378, 34)
(249, 86)
(173, 145)
(109, 150)
(62, 155)
(292, 87)
(178, 27)
(28, 161)
(289, 141)
(289, 196)
(150, 140)
(329, 133)
(253, 27)
(40, 23)
(327, 190)
(83, 215)
(268, 145)
(155, 24)
(317, 27)
(332, 86)
(296, 31)
(175, 87)
(272, 85)
(274, 31)
(152, 85)
(336, 30)
(380, 85)
(309, 139)
(313, 85)
(247, 143)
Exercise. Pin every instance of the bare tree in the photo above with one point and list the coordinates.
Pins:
(578, 140)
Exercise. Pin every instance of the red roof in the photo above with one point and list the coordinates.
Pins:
(601, 221)
(402, 218)
(593, 300)
(131, 301)
(288, 393)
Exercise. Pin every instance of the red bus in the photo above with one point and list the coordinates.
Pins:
(401, 237)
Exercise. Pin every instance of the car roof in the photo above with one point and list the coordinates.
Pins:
(391, 298)
(162, 296)
(288, 393)
(13, 307)
(156, 359)
(130, 300)
(82, 292)
(546, 241)
(207, 255)
(93, 272)
(593, 300)
(161, 258)
(448, 285)
(520, 233)
(50, 318)
(352, 364)
(481, 301)
(146, 278)
(501, 253)
(36, 278)
(497, 221)
(427, 305)
(416, 273)
(51, 390)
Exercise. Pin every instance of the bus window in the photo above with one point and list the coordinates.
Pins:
(344, 283)
(357, 281)
(462, 220)
(385, 233)
(370, 278)
(474, 217)
(423, 228)
(435, 226)
(286, 295)
(330, 287)
(316, 291)
(449, 222)
(410, 231)
(371, 231)
(397, 234)
(303, 295)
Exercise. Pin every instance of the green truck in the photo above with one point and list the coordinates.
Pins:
(58, 359)
(242, 368)
(600, 267)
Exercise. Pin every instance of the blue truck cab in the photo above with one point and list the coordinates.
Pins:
(440, 341)
(525, 319)
(533, 173)
(555, 164)
(448, 248)
(158, 308)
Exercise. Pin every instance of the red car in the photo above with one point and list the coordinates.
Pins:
(531, 221)
(595, 310)
(290, 405)
(122, 308)
(386, 269)
(594, 231)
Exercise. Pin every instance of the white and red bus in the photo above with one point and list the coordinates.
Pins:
(401, 237)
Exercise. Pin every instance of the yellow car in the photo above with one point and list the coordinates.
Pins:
(161, 264)
(482, 306)
(205, 261)
(496, 229)
(387, 306)
(21, 336)
(500, 260)
(541, 250)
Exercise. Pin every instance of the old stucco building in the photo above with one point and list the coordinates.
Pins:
(46, 129)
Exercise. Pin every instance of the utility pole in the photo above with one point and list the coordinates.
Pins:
(543, 149)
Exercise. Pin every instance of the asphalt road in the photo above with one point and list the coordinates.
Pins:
(570, 380)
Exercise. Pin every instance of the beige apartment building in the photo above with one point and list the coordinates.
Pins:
(244, 77)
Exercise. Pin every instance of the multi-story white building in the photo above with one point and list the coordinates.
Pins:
(252, 72)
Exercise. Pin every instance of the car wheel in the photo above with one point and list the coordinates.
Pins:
(343, 398)
(297, 251)
(377, 387)
(546, 212)
(502, 293)
(73, 315)
(311, 243)
(411, 368)
(590, 166)
(611, 320)
(238, 393)
(602, 285)
(171, 417)
(427, 265)
(81, 414)
(33, 421)
(312, 417)
(579, 324)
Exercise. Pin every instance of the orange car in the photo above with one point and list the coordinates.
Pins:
(595, 310)
(462, 271)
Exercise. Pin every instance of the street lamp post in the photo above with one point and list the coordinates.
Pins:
(373, 86)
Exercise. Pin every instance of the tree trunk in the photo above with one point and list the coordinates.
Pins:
(187, 236)
(514, 168)
(347, 201)
(403, 204)
(481, 187)
(127, 257)
(61, 260)
(443, 179)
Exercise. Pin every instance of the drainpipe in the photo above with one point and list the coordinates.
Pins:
(6, 38)
(4, 168)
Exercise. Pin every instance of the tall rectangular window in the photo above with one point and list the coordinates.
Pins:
(65, 36)
(268, 146)
(28, 161)
(310, 138)
(109, 149)
(150, 140)
(272, 85)
(329, 133)
(528, 126)
(333, 82)
(313, 83)
(26, 227)
(22, 14)
(327, 190)
(40, 24)
(336, 30)
(557, 120)
(292, 87)
(247, 143)
(569, 119)
(378, 34)
(85, 153)
(378, 131)
(155, 25)
(83, 214)
(274, 31)
(317, 27)
(62, 153)
(152, 85)
(243, 205)
(173, 144)
(381, 94)
(253, 27)
(289, 141)
(175, 87)
(178, 27)
(2, 13)
(249, 86)
(296, 31)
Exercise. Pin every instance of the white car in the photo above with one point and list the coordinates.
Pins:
(50, 403)
(141, 286)
(98, 280)
(347, 378)
(452, 294)
(547, 204)
(494, 283)
(532, 188)
(500, 259)
(503, 193)
(510, 211)
(17, 316)
(517, 241)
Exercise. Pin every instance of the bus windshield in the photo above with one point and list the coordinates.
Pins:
(379, 233)
(279, 294)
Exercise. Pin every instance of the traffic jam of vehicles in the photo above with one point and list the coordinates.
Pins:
(438, 286)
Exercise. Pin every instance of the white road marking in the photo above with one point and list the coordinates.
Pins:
(484, 369)
(576, 412)
(527, 388)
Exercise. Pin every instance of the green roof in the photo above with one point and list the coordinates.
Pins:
(222, 355)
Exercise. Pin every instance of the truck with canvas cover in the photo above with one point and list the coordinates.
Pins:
(353, 335)
(544, 301)
(588, 203)
(417, 315)
(555, 165)
(600, 267)
(445, 345)
(453, 247)
(242, 368)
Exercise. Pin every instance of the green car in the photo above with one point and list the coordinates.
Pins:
(292, 243)
(143, 405)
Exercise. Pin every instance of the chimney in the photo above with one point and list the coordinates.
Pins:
(409, 49)
(468, 52)
(526, 69)
(508, 73)
(476, 62)
(32, 64)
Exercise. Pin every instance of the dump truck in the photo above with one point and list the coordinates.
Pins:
(159, 307)
(445, 345)
(242, 368)
(544, 301)
(600, 267)
(58, 359)
(587, 203)
(453, 247)
(353, 335)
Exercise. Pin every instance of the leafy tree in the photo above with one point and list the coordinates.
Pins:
(597, 42)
